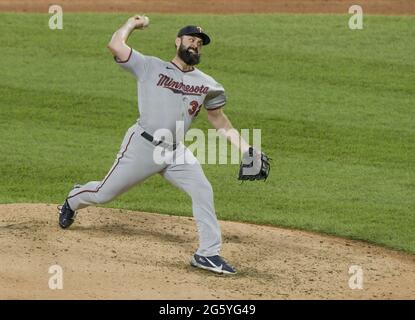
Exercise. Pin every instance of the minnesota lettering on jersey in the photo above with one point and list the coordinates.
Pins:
(179, 87)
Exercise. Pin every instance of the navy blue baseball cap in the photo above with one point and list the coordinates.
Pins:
(194, 31)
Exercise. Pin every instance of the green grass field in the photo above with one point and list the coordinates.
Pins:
(336, 108)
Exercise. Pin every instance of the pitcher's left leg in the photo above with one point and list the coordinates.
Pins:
(191, 179)
(187, 174)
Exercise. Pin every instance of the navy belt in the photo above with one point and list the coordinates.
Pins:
(150, 138)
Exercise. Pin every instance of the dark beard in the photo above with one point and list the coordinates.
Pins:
(188, 57)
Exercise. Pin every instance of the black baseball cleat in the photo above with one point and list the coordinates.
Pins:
(66, 215)
(214, 263)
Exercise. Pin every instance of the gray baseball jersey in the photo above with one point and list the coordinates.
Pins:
(166, 94)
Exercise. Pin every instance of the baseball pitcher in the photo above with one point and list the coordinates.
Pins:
(168, 92)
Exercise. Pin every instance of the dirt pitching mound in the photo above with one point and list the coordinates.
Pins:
(120, 254)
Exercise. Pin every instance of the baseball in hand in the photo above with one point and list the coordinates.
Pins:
(146, 21)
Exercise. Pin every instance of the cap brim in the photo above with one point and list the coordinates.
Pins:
(205, 38)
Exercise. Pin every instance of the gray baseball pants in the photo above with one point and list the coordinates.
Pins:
(135, 163)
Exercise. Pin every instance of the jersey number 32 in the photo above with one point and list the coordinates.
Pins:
(194, 108)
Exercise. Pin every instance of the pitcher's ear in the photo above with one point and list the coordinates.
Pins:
(178, 42)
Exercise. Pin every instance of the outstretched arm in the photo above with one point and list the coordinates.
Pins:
(255, 164)
(118, 44)
(222, 124)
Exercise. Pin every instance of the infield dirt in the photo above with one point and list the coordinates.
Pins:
(120, 254)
